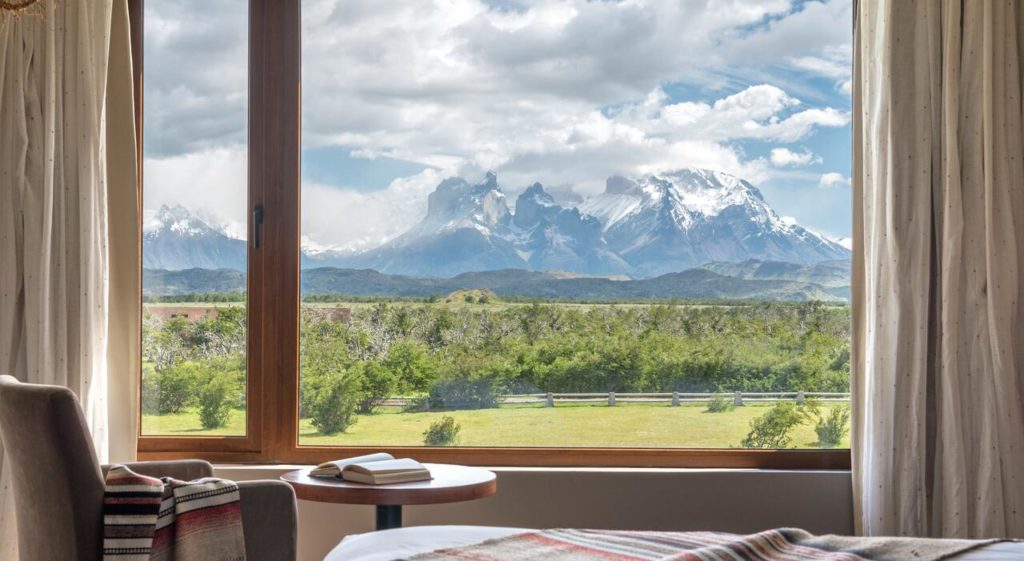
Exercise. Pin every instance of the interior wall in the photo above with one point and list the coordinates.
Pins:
(643, 499)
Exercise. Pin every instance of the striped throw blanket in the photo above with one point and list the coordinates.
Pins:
(784, 544)
(148, 519)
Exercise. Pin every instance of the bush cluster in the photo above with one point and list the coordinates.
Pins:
(834, 427)
(444, 432)
(772, 429)
(720, 405)
(453, 356)
(215, 386)
(332, 407)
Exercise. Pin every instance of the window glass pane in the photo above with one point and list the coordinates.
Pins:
(571, 223)
(194, 246)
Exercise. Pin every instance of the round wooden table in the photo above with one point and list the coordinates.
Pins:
(450, 484)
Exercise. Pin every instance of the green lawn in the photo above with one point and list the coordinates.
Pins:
(640, 425)
(187, 424)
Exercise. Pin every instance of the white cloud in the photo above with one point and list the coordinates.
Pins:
(355, 220)
(762, 112)
(817, 39)
(833, 179)
(783, 157)
(212, 182)
(565, 92)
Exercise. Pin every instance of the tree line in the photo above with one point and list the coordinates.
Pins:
(457, 357)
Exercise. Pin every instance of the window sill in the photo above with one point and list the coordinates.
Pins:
(275, 470)
(543, 458)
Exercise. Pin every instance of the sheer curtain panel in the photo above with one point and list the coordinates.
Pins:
(938, 359)
(69, 217)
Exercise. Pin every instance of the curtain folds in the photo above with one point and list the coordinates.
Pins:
(69, 218)
(937, 360)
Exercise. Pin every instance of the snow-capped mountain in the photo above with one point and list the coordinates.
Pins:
(642, 227)
(674, 221)
(175, 239)
(468, 227)
(555, 237)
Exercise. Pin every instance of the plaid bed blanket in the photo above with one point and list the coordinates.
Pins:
(786, 544)
(149, 519)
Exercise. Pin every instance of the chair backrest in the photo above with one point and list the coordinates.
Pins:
(58, 486)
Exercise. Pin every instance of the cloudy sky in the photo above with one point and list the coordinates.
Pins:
(398, 94)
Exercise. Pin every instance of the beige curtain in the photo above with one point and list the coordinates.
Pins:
(69, 218)
(938, 355)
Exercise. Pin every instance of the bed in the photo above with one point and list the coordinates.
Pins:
(402, 543)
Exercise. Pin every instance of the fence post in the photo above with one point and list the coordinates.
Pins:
(611, 399)
(675, 399)
(800, 397)
(551, 400)
(737, 398)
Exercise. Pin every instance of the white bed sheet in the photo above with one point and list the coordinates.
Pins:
(388, 545)
(401, 543)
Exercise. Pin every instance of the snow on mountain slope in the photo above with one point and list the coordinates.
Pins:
(674, 221)
(468, 227)
(456, 204)
(642, 227)
(175, 239)
(555, 237)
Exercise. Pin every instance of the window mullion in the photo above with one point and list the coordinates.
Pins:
(274, 116)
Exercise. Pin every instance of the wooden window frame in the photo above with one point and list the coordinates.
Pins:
(274, 146)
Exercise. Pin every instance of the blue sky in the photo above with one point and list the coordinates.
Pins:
(399, 94)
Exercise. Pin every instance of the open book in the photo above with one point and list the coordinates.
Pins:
(375, 469)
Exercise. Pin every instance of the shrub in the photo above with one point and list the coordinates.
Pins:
(771, 430)
(417, 405)
(150, 390)
(720, 405)
(216, 397)
(411, 364)
(465, 392)
(333, 406)
(324, 352)
(833, 428)
(379, 383)
(474, 382)
(444, 432)
(172, 389)
(219, 386)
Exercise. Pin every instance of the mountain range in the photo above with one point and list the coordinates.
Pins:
(753, 279)
(175, 239)
(641, 228)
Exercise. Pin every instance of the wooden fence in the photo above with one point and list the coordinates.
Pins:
(674, 398)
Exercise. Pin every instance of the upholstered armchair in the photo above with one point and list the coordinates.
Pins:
(58, 482)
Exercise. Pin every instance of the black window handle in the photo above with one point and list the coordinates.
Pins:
(257, 225)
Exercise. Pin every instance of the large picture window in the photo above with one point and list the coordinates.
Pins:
(497, 231)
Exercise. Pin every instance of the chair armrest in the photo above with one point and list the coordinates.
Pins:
(269, 520)
(185, 470)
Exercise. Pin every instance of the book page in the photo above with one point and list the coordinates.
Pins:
(388, 466)
(334, 467)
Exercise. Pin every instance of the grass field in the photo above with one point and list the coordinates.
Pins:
(630, 425)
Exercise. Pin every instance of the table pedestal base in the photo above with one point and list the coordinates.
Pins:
(389, 516)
